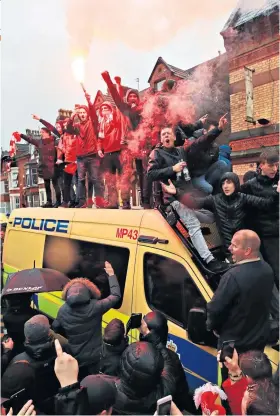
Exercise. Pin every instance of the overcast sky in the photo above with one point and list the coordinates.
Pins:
(36, 61)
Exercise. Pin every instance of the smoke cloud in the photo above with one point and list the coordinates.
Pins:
(140, 24)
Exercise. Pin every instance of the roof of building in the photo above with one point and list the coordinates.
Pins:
(181, 73)
(242, 14)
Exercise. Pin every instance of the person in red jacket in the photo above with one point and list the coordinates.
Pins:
(110, 134)
(88, 161)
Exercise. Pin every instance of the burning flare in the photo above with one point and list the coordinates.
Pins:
(78, 68)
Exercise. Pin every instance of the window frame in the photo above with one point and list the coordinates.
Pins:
(34, 174)
(184, 315)
(158, 84)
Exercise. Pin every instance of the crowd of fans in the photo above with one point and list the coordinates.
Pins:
(69, 368)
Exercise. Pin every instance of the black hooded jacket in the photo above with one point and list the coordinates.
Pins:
(230, 211)
(162, 160)
(265, 223)
(80, 318)
(114, 344)
(41, 357)
(146, 375)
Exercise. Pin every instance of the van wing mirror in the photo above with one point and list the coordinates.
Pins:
(197, 331)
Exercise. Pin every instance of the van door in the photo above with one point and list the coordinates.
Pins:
(164, 283)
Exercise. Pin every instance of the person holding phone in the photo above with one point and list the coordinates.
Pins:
(80, 318)
(240, 307)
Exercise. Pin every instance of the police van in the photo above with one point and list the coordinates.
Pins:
(153, 258)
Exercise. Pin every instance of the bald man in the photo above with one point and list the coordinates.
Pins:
(239, 309)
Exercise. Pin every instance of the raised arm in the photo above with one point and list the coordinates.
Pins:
(47, 124)
(30, 139)
(122, 106)
(115, 294)
(259, 202)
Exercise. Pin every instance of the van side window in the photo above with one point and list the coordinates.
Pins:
(78, 258)
(169, 288)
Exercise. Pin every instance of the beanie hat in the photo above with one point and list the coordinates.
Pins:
(206, 396)
(19, 375)
(37, 329)
(101, 392)
(157, 322)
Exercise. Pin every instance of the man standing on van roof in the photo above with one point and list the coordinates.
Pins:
(170, 162)
(240, 307)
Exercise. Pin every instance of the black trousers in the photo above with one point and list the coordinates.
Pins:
(270, 252)
(47, 183)
(146, 186)
(67, 182)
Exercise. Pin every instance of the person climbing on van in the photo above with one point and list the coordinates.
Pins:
(47, 170)
(169, 162)
(80, 319)
(229, 207)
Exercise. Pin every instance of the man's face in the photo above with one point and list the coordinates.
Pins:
(58, 127)
(45, 134)
(133, 98)
(167, 137)
(238, 252)
(2, 235)
(105, 110)
(269, 169)
(228, 187)
(82, 114)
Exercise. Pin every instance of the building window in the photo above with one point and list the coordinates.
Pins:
(27, 177)
(29, 201)
(36, 202)
(15, 201)
(34, 177)
(6, 187)
(169, 288)
(5, 207)
(159, 84)
(87, 260)
(14, 179)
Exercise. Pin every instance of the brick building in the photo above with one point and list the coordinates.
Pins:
(252, 41)
(21, 186)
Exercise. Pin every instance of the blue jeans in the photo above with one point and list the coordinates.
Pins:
(89, 165)
(210, 180)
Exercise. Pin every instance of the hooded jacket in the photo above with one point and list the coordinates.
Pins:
(162, 160)
(146, 375)
(157, 325)
(265, 223)
(113, 345)
(132, 113)
(80, 317)
(224, 154)
(47, 155)
(41, 357)
(110, 130)
(67, 146)
(230, 211)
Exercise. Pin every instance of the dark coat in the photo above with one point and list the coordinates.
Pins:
(230, 211)
(240, 307)
(203, 153)
(6, 357)
(41, 357)
(47, 155)
(80, 317)
(265, 223)
(110, 358)
(18, 312)
(162, 160)
(147, 374)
